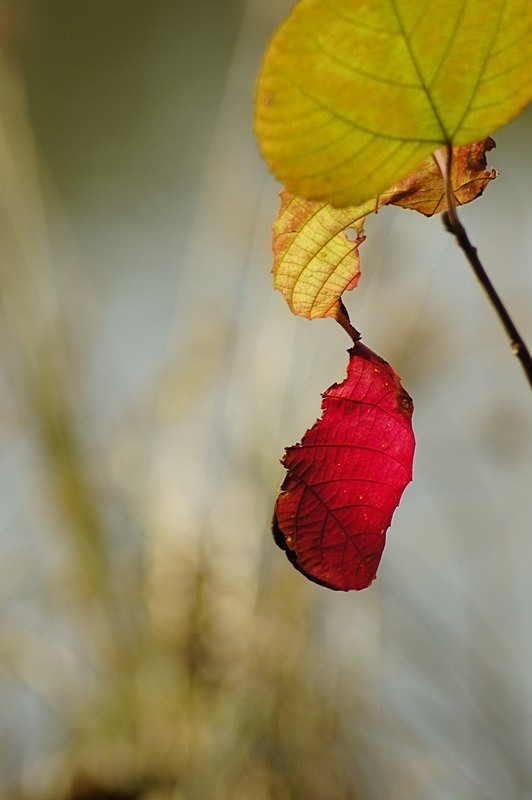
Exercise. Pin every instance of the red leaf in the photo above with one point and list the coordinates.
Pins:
(346, 477)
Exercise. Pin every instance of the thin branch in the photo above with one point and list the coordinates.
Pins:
(454, 226)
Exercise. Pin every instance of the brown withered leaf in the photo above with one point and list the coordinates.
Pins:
(424, 190)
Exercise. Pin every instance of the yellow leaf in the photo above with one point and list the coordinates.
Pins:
(353, 95)
(315, 261)
(424, 189)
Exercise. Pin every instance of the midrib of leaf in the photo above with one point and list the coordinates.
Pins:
(417, 68)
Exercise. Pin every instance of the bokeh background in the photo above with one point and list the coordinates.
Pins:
(154, 643)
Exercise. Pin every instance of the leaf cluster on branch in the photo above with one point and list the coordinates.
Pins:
(361, 105)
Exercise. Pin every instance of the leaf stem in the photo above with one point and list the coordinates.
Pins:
(342, 317)
(454, 226)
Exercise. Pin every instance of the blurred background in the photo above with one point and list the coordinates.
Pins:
(154, 643)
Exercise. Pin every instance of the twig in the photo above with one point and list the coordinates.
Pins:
(454, 226)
